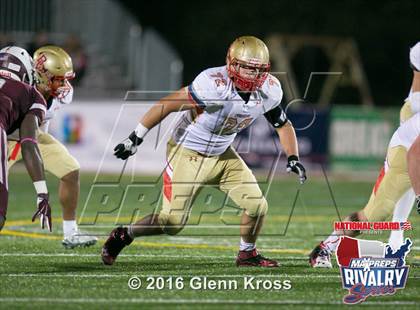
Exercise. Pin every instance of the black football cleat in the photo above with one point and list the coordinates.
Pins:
(320, 257)
(254, 259)
(117, 240)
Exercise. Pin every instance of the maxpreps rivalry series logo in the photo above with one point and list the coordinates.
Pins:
(371, 268)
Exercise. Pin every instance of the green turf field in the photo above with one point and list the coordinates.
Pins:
(37, 272)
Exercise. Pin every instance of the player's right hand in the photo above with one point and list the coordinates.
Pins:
(294, 165)
(43, 211)
(127, 147)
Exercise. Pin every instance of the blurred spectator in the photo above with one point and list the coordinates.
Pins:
(74, 48)
(5, 40)
(40, 39)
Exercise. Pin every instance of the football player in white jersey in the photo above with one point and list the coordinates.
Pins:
(393, 193)
(218, 104)
(53, 69)
(411, 106)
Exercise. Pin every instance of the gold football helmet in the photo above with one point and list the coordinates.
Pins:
(248, 63)
(53, 70)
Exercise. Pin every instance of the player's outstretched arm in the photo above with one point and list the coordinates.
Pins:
(290, 146)
(413, 162)
(34, 165)
(175, 102)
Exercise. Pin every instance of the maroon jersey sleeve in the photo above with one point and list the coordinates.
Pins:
(17, 100)
(38, 106)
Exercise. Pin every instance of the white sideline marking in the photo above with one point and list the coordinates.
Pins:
(137, 255)
(121, 255)
(57, 275)
(193, 301)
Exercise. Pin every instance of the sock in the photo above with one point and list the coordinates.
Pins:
(401, 212)
(330, 244)
(69, 228)
(396, 239)
(245, 246)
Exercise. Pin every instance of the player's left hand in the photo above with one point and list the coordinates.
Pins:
(43, 211)
(294, 165)
(128, 147)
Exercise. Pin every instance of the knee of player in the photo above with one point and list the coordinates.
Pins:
(357, 217)
(172, 230)
(257, 207)
(72, 177)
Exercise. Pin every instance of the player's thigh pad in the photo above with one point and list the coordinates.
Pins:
(185, 173)
(56, 157)
(240, 184)
(393, 186)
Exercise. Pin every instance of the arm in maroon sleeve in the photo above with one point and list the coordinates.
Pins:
(30, 150)
(28, 136)
(32, 157)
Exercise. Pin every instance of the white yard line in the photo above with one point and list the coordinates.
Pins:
(121, 255)
(191, 301)
(135, 255)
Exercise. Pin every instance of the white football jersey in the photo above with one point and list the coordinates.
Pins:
(56, 105)
(407, 133)
(221, 112)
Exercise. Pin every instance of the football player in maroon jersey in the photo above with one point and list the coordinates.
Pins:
(21, 107)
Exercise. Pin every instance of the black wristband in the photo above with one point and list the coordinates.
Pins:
(136, 140)
(292, 157)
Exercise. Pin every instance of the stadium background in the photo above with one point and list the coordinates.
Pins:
(143, 46)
